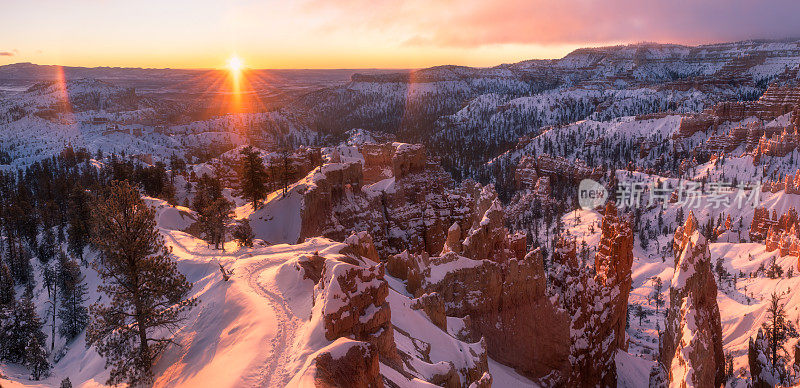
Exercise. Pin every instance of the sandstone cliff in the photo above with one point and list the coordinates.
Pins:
(392, 191)
(691, 346)
(485, 277)
(598, 303)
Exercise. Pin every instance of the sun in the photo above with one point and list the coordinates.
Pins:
(235, 64)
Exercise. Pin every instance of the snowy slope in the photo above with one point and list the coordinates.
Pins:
(253, 330)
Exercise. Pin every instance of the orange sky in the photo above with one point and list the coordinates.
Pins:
(363, 33)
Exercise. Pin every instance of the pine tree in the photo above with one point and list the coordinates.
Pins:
(758, 361)
(78, 215)
(7, 293)
(176, 166)
(19, 261)
(146, 292)
(214, 210)
(208, 189)
(252, 177)
(23, 339)
(777, 329)
(50, 278)
(657, 297)
(73, 314)
(47, 247)
(774, 271)
(286, 169)
(36, 356)
(243, 233)
(640, 313)
(214, 220)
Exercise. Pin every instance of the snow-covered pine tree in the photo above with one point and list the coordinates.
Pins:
(36, 356)
(73, 314)
(78, 216)
(214, 220)
(777, 330)
(47, 247)
(760, 369)
(7, 293)
(286, 168)
(146, 293)
(252, 177)
(23, 339)
(19, 261)
(50, 280)
(214, 209)
(657, 297)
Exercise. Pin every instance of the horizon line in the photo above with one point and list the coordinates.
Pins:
(588, 47)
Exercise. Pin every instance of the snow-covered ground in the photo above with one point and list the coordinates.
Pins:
(257, 329)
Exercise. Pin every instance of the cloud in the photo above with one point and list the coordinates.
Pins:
(470, 23)
(7, 53)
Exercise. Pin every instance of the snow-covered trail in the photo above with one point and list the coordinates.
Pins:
(252, 268)
(274, 372)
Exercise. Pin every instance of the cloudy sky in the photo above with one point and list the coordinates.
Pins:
(365, 33)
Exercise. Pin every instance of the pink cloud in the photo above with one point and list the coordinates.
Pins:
(474, 22)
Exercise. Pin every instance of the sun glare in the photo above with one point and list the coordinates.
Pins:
(235, 64)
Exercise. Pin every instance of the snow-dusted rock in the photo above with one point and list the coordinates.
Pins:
(691, 346)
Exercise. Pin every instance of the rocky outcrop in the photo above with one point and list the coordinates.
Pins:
(694, 123)
(479, 271)
(347, 363)
(779, 234)
(489, 238)
(598, 303)
(776, 101)
(355, 306)
(691, 346)
(376, 158)
(325, 188)
(360, 244)
(408, 159)
(613, 263)
(504, 295)
(484, 382)
(351, 308)
(761, 223)
(433, 306)
(500, 299)
(387, 160)
(402, 199)
(453, 241)
(312, 267)
(563, 168)
(525, 175)
(498, 289)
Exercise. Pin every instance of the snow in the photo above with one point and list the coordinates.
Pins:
(439, 270)
(278, 219)
(632, 371)
(504, 376)
(238, 331)
(381, 186)
(254, 330)
(742, 306)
